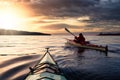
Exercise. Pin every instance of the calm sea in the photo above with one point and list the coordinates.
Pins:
(18, 53)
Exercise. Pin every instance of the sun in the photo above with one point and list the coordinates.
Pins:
(11, 15)
(8, 19)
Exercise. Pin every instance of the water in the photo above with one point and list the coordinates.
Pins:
(18, 53)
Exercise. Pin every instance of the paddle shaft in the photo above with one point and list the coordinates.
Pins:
(69, 32)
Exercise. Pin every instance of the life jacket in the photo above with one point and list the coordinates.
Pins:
(80, 40)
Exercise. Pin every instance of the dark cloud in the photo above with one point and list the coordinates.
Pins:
(58, 26)
(104, 14)
(96, 9)
(41, 21)
(104, 25)
(26, 0)
(63, 8)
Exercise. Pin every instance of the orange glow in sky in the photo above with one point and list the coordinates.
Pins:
(11, 15)
(17, 16)
(42, 16)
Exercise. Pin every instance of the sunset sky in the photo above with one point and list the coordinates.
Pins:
(52, 16)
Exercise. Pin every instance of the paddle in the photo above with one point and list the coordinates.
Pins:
(69, 31)
(74, 35)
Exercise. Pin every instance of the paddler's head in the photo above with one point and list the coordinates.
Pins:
(80, 34)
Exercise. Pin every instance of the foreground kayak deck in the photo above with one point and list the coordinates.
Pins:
(88, 46)
(46, 69)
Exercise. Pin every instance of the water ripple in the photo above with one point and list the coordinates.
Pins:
(76, 64)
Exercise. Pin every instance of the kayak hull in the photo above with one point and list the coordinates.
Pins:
(88, 46)
(45, 69)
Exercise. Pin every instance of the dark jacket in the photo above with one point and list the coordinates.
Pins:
(80, 39)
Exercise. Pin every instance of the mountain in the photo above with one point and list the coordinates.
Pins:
(109, 33)
(15, 32)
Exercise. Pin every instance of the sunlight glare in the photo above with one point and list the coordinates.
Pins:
(11, 15)
(8, 19)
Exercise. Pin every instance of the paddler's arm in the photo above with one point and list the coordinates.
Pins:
(76, 37)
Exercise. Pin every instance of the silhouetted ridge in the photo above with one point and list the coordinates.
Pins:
(15, 32)
(109, 33)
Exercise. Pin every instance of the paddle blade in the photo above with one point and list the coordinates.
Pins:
(69, 31)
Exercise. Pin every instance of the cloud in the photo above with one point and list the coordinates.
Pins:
(101, 14)
(58, 26)
(61, 8)
(107, 26)
(96, 9)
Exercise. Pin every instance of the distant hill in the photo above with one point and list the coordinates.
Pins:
(109, 34)
(15, 32)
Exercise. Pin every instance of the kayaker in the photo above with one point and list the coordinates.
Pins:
(80, 39)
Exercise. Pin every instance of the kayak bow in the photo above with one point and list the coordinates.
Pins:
(88, 46)
(46, 69)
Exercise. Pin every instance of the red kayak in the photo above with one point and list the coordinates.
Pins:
(88, 46)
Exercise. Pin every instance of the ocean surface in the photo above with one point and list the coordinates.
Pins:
(18, 53)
